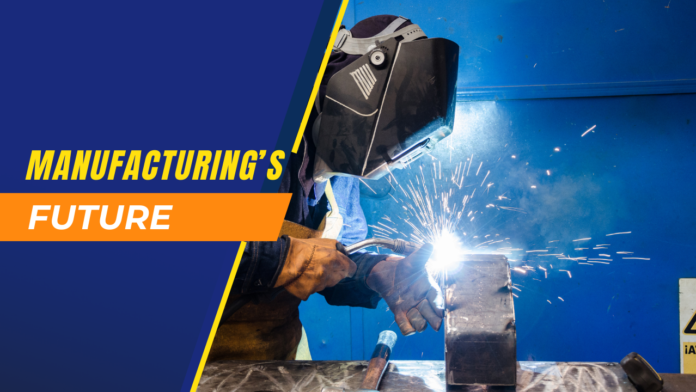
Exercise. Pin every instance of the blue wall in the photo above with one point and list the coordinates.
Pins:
(633, 173)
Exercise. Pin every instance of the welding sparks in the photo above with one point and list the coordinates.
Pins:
(635, 258)
(589, 130)
(484, 178)
(438, 208)
(623, 232)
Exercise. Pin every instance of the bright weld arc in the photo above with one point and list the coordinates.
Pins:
(447, 253)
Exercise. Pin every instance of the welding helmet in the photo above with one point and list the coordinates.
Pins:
(390, 105)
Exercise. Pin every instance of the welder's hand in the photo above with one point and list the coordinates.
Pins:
(404, 284)
(312, 265)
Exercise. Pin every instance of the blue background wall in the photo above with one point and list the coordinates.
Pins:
(616, 65)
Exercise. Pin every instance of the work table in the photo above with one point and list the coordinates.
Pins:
(311, 376)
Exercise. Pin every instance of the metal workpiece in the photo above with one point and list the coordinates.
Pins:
(480, 332)
(404, 376)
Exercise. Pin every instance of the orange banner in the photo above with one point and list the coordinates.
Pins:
(142, 216)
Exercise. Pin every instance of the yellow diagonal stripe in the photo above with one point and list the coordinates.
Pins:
(226, 294)
(320, 75)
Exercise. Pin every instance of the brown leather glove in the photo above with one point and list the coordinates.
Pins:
(404, 284)
(312, 265)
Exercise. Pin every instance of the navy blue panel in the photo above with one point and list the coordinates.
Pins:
(114, 313)
(518, 48)
(88, 75)
(305, 84)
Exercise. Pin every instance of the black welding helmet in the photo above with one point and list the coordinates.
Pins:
(389, 106)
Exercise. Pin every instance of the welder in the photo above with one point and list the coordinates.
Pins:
(387, 96)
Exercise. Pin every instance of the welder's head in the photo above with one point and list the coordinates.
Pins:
(392, 102)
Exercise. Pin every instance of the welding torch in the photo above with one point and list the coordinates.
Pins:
(398, 246)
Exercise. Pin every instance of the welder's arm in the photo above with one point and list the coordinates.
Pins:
(311, 265)
(260, 266)
(354, 291)
(300, 266)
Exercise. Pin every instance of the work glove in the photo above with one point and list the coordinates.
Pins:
(404, 285)
(311, 265)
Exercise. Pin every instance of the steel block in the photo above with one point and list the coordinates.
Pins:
(480, 333)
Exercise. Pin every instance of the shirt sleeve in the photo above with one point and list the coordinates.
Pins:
(260, 266)
(354, 291)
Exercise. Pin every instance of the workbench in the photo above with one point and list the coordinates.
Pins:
(311, 376)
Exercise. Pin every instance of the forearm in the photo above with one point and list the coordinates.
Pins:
(259, 267)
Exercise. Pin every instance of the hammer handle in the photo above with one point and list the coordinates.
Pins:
(377, 366)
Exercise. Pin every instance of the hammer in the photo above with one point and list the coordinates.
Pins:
(377, 366)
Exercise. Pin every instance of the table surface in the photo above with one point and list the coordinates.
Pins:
(247, 376)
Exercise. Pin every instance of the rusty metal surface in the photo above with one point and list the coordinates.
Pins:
(480, 333)
(407, 376)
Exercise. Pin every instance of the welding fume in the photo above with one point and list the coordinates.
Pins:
(386, 98)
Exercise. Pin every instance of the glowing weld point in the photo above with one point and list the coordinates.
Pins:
(557, 149)
(447, 253)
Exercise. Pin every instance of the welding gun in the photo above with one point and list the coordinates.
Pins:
(376, 367)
